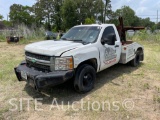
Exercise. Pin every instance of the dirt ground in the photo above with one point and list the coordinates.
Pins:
(121, 92)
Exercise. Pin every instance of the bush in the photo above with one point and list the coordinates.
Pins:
(144, 36)
(89, 21)
(29, 34)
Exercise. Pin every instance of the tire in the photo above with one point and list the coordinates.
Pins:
(136, 61)
(84, 78)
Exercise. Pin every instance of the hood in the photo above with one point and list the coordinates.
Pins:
(51, 47)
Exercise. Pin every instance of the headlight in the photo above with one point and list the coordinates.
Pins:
(64, 63)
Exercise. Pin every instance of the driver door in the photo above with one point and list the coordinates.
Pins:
(110, 49)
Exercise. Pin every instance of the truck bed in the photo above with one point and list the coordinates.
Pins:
(128, 51)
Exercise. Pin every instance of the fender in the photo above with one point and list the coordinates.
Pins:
(138, 46)
(82, 54)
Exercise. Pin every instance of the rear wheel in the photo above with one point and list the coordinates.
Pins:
(85, 78)
(136, 61)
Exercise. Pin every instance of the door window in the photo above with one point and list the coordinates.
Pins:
(109, 35)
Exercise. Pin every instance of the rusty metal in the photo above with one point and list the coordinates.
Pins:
(13, 36)
(123, 29)
(13, 39)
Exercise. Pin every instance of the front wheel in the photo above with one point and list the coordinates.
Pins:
(84, 79)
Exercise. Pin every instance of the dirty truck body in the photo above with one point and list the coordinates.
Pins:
(82, 52)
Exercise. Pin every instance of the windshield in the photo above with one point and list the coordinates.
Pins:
(87, 34)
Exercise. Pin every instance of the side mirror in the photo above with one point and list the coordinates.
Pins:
(109, 39)
(104, 40)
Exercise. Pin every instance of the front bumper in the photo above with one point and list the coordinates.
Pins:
(39, 80)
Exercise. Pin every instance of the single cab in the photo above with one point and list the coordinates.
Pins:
(81, 53)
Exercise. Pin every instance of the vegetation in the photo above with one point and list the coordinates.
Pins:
(31, 22)
(59, 14)
(20, 14)
(64, 14)
(29, 34)
(144, 36)
(1, 17)
(89, 21)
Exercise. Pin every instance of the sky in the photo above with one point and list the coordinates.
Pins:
(5, 5)
(143, 8)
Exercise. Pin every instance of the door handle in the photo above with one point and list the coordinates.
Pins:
(116, 46)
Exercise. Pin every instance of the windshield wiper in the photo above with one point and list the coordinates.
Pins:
(64, 38)
(75, 40)
(82, 41)
(78, 40)
(72, 39)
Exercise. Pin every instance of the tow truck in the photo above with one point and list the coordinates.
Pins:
(81, 53)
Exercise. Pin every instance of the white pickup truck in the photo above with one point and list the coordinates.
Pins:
(81, 53)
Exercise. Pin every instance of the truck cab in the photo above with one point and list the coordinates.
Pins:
(82, 52)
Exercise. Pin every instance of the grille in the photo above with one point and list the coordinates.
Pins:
(38, 66)
(40, 57)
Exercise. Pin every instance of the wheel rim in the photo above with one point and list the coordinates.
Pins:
(87, 80)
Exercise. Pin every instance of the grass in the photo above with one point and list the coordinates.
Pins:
(156, 98)
(116, 84)
(28, 34)
(146, 86)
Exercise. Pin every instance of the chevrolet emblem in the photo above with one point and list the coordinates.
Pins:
(33, 60)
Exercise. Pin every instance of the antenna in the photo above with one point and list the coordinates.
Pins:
(157, 16)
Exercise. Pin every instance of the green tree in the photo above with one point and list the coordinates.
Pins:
(69, 13)
(76, 12)
(158, 25)
(21, 14)
(91, 8)
(37, 10)
(107, 9)
(128, 15)
(44, 10)
(89, 20)
(48, 13)
(1, 17)
(137, 21)
(7, 23)
(147, 22)
(130, 19)
(57, 19)
(99, 10)
(66, 13)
